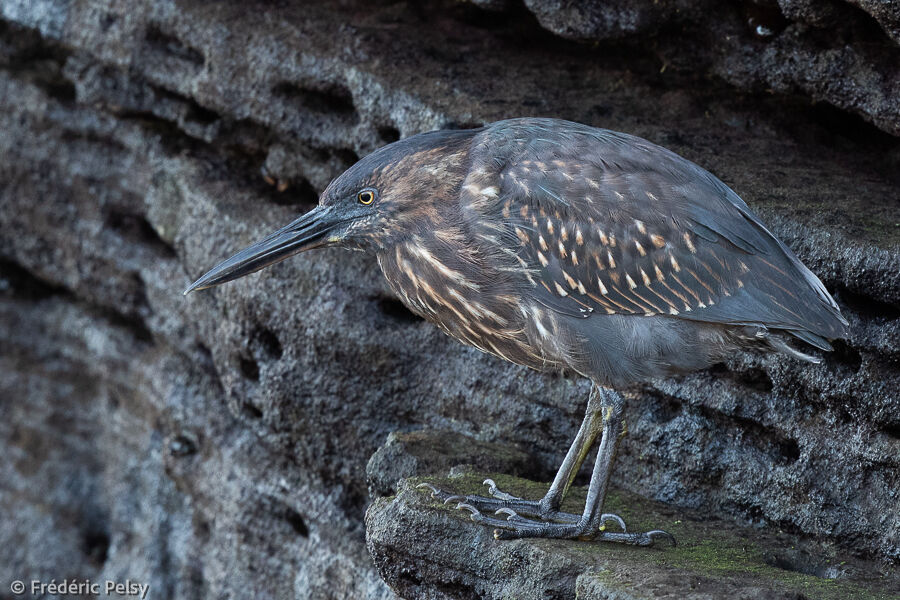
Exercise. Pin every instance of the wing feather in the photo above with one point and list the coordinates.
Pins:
(613, 224)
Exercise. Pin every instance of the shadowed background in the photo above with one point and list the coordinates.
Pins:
(216, 445)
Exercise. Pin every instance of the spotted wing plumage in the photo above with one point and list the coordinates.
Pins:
(607, 223)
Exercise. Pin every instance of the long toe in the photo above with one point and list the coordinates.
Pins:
(547, 517)
(516, 526)
(500, 499)
(442, 495)
(647, 538)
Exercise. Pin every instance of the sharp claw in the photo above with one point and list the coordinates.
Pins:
(434, 490)
(454, 499)
(468, 507)
(507, 511)
(500, 495)
(611, 517)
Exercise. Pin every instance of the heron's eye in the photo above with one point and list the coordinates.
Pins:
(366, 197)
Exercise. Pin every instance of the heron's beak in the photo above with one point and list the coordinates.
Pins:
(307, 232)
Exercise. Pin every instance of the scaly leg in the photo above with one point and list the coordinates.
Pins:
(547, 508)
(604, 415)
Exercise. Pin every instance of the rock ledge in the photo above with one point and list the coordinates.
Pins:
(424, 549)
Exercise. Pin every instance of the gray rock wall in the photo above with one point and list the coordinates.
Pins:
(216, 445)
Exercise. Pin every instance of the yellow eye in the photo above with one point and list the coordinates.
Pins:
(366, 197)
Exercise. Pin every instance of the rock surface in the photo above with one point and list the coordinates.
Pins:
(416, 541)
(842, 54)
(216, 446)
(424, 451)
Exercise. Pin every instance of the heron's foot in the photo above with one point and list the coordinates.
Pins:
(548, 524)
(499, 500)
(515, 526)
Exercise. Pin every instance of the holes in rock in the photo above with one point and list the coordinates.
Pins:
(718, 368)
(200, 115)
(454, 589)
(845, 356)
(789, 451)
(182, 445)
(836, 123)
(60, 89)
(251, 411)
(764, 20)
(320, 154)
(205, 353)
(891, 430)
(277, 508)
(296, 193)
(347, 156)
(754, 378)
(409, 576)
(461, 125)
(191, 110)
(269, 343)
(38, 62)
(779, 448)
(245, 142)
(95, 545)
(296, 522)
(866, 305)
(354, 498)
(130, 322)
(201, 528)
(335, 101)
(21, 283)
(17, 282)
(803, 562)
(844, 417)
(389, 134)
(107, 20)
(173, 138)
(486, 14)
(249, 367)
(262, 342)
(138, 229)
(395, 310)
(860, 27)
(663, 407)
(168, 44)
(782, 449)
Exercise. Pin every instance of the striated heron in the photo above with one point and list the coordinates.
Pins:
(556, 245)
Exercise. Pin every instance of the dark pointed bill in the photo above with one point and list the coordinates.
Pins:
(309, 231)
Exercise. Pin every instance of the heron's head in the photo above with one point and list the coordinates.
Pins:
(381, 200)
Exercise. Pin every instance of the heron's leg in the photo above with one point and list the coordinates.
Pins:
(548, 506)
(587, 434)
(592, 519)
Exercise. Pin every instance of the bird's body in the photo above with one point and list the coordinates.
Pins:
(623, 261)
(556, 245)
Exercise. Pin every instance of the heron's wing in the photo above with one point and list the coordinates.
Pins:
(612, 224)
